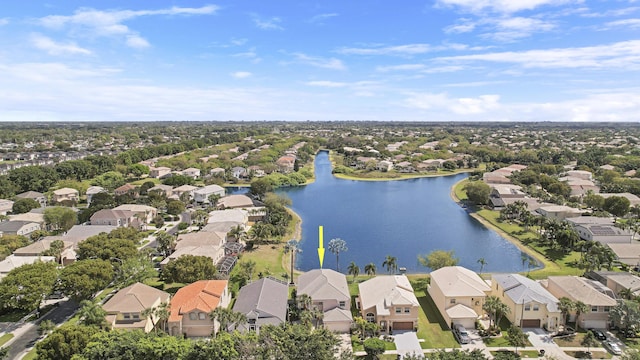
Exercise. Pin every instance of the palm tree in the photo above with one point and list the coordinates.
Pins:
(565, 305)
(391, 263)
(337, 246)
(226, 317)
(482, 263)
(580, 308)
(354, 270)
(292, 247)
(626, 293)
(370, 269)
(490, 305)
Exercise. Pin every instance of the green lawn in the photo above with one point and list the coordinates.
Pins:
(523, 353)
(594, 354)
(4, 338)
(31, 355)
(500, 341)
(356, 345)
(431, 325)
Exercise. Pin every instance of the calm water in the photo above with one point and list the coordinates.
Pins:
(398, 218)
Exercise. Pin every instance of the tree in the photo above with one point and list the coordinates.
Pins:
(55, 249)
(617, 205)
(45, 327)
(133, 270)
(21, 206)
(226, 318)
(438, 259)
(482, 263)
(626, 314)
(292, 247)
(353, 270)
(189, 268)
(35, 178)
(60, 218)
(370, 269)
(374, 347)
(594, 201)
(175, 207)
(158, 314)
(516, 337)
(64, 342)
(496, 309)
(109, 180)
(566, 306)
(580, 308)
(26, 286)
(107, 248)
(135, 344)
(260, 187)
(138, 170)
(391, 263)
(92, 314)
(82, 279)
(337, 246)
(478, 192)
(589, 340)
(166, 242)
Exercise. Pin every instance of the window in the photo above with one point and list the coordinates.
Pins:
(126, 316)
(594, 309)
(193, 316)
(371, 317)
(607, 308)
(202, 316)
(452, 301)
(407, 310)
(398, 310)
(527, 307)
(343, 304)
(136, 316)
(252, 328)
(536, 307)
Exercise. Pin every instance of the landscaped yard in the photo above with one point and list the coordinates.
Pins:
(594, 354)
(522, 353)
(431, 325)
(4, 338)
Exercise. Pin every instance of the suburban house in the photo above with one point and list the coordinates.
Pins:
(124, 190)
(18, 227)
(595, 295)
(235, 201)
(184, 189)
(500, 192)
(79, 233)
(125, 308)
(35, 215)
(11, 262)
(166, 190)
(264, 302)
(459, 295)
(209, 244)
(5, 206)
(119, 218)
(580, 174)
(384, 165)
(389, 301)
(66, 194)
(531, 305)
(39, 197)
(217, 172)
(38, 247)
(191, 305)
(329, 293)
(238, 172)
(202, 194)
(618, 281)
(191, 172)
(159, 172)
(627, 253)
(286, 163)
(92, 190)
(600, 229)
(144, 213)
(558, 212)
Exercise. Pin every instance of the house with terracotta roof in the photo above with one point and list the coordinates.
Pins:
(594, 294)
(286, 163)
(389, 301)
(191, 305)
(264, 302)
(329, 293)
(124, 309)
(459, 295)
(531, 305)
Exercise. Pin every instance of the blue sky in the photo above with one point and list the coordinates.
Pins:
(438, 60)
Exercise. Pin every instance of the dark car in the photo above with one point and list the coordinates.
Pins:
(598, 334)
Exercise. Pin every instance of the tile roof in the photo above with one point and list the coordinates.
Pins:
(135, 298)
(203, 295)
(387, 291)
(265, 297)
(521, 290)
(459, 281)
(322, 284)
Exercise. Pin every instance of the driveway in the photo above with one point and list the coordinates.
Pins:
(541, 340)
(407, 343)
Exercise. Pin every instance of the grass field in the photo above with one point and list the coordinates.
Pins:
(431, 325)
(4, 338)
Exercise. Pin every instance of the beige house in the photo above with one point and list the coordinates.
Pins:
(389, 301)
(184, 189)
(119, 218)
(531, 305)
(459, 294)
(5, 206)
(193, 173)
(144, 213)
(595, 295)
(124, 309)
(558, 212)
(66, 194)
(209, 244)
(159, 172)
(191, 305)
(39, 197)
(329, 293)
(235, 202)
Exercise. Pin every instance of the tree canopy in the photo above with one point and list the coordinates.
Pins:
(26, 286)
(82, 279)
(189, 268)
(438, 259)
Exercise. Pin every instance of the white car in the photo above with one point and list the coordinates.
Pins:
(612, 347)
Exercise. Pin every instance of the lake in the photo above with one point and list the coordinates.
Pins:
(400, 218)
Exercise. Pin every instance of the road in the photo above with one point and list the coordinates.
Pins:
(25, 340)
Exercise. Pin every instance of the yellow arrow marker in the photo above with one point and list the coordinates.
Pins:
(320, 246)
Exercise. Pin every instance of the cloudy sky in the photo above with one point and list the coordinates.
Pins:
(435, 60)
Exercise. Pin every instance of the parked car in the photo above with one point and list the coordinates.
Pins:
(598, 334)
(567, 330)
(612, 347)
(461, 334)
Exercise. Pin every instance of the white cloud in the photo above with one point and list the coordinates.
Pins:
(326, 63)
(460, 28)
(461, 106)
(500, 6)
(4, 21)
(327, 84)
(513, 28)
(109, 23)
(624, 54)
(402, 67)
(611, 13)
(241, 74)
(272, 23)
(408, 49)
(631, 24)
(53, 48)
(320, 18)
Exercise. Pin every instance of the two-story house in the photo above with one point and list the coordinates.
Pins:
(264, 302)
(329, 293)
(119, 218)
(191, 305)
(125, 309)
(66, 194)
(389, 301)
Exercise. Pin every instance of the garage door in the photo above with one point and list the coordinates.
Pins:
(467, 323)
(530, 323)
(403, 325)
(595, 324)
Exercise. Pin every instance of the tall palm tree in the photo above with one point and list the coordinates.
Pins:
(391, 263)
(370, 269)
(482, 263)
(580, 308)
(354, 270)
(626, 293)
(565, 305)
(226, 317)
(337, 246)
(292, 247)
